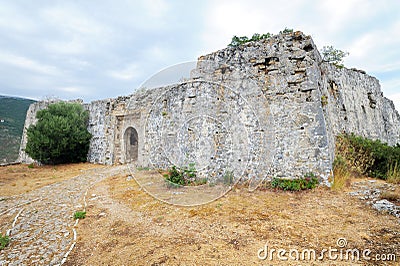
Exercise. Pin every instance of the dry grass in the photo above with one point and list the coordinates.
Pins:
(391, 195)
(393, 175)
(17, 179)
(126, 226)
(342, 174)
(140, 230)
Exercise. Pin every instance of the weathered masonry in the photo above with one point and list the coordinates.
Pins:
(266, 108)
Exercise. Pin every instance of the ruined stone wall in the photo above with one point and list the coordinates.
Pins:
(263, 109)
(355, 104)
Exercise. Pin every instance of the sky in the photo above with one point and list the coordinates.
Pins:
(93, 50)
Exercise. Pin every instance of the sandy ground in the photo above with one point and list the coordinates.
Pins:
(17, 179)
(126, 226)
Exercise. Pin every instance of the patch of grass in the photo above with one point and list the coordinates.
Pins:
(228, 178)
(4, 241)
(393, 174)
(79, 215)
(309, 181)
(341, 172)
(31, 165)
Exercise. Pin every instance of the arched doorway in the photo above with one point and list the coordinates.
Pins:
(131, 145)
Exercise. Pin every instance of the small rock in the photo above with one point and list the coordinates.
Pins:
(129, 178)
(102, 214)
(382, 204)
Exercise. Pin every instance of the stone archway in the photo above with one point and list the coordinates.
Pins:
(131, 142)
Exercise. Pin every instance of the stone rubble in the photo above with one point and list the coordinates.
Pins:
(370, 191)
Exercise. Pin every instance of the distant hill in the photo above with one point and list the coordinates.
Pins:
(12, 119)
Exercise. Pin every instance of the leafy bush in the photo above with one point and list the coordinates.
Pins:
(79, 215)
(369, 157)
(333, 55)
(4, 241)
(309, 181)
(184, 177)
(60, 134)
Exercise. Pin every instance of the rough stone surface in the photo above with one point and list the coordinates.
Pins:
(43, 230)
(371, 192)
(263, 109)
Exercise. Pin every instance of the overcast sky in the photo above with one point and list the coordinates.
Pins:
(101, 49)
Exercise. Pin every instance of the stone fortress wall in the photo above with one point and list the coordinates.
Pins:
(266, 108)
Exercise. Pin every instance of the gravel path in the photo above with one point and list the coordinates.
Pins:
(40, 223)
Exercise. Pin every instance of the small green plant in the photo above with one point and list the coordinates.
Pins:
(324, 100)
(286, 31)
(309, 181)
(31, 165)
(333, 55)
(164, 113)
(184, 177)
(228, 178)
(79, 215)
(4, 241)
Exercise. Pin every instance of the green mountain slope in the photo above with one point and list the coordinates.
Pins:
(12, 119)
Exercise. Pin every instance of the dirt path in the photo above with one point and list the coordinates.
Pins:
(41, 223)
(126, 226)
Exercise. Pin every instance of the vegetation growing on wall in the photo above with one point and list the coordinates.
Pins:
(60, 134)
(333, 55)
(236, 41)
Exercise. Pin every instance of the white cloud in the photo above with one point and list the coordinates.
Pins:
(12, 19)
(70, 89)
(128, 72)
(28, 64)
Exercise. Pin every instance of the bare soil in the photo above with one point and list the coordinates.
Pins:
(126, 226)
